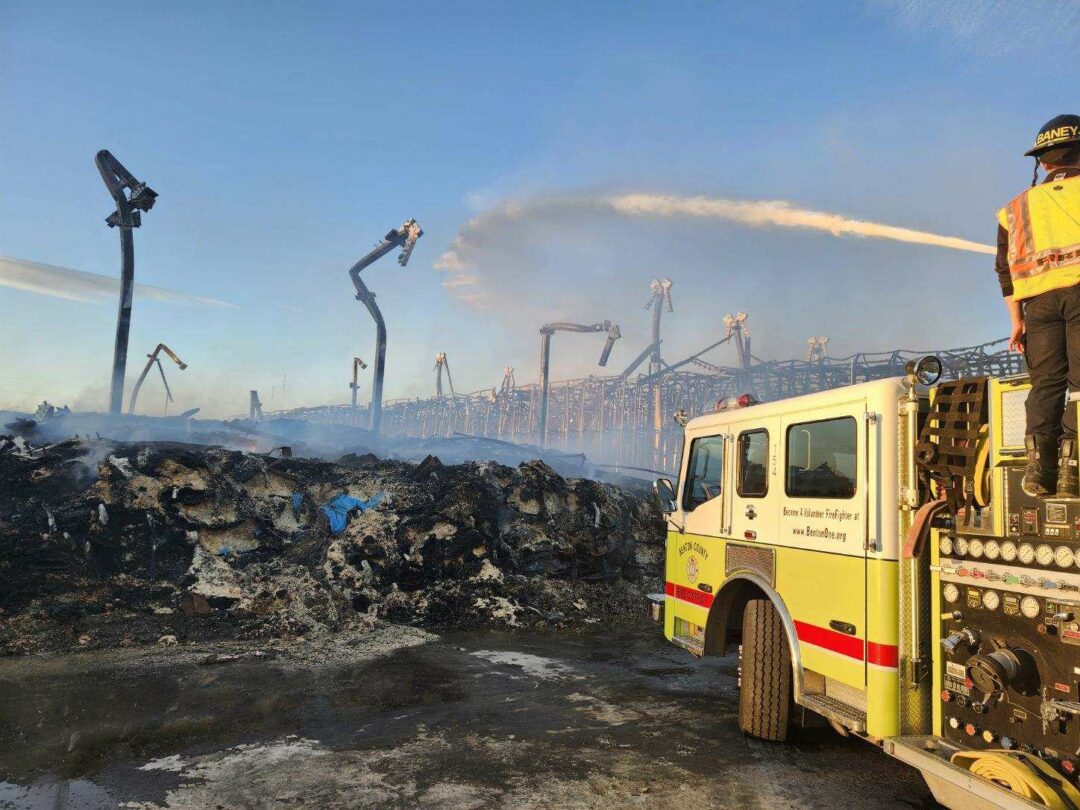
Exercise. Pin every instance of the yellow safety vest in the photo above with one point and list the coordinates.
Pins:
(1044, 237)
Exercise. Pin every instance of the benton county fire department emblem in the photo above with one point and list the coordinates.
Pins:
(691, 569)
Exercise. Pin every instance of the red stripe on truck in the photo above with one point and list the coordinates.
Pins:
(882, 655)
(831, 640)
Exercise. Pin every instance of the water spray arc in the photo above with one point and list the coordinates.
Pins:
(140, 197)
(472, 267)
(155, 360)
(549, 329)
(405, 238)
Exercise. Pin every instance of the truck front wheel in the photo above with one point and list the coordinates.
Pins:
(764, 673)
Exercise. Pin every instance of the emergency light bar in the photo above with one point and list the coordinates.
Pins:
(730, 403)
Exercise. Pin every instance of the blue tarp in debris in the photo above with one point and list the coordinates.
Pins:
(341, 506)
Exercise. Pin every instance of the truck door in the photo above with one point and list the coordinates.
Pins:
(757, 484)
(823, 519)
(703, 497)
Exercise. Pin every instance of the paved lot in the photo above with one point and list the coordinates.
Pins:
(478, 720)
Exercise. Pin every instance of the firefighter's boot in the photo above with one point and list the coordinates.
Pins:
(1039, 473)
(1068, 477)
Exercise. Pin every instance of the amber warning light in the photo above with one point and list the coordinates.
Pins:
(728, 403)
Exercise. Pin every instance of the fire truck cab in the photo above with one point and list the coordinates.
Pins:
(820, 534)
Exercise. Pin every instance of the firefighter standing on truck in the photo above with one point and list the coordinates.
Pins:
(1038, 266)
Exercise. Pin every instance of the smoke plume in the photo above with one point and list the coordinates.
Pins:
(465, 260)
(90, 288)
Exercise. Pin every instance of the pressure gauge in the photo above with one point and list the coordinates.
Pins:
(975, 548)
(950, 592)
(1029, 606)
(1008, 551)
(1044, 555)
(1064, 557)
(992, 550)
(961, 546)
(945, 546)
(991, 600)
(1027, 554)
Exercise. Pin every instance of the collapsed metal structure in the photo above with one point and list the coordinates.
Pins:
(153, 360)
(626, 420)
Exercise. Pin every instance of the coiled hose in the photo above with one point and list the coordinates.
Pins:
(1022, 773)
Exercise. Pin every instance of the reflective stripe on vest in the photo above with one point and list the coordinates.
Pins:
(1044, 237)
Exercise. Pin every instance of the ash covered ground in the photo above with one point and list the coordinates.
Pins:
(106, 543)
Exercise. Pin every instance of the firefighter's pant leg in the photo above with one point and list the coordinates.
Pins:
(1052, 329)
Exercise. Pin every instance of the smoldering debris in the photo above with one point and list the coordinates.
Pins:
(299, 437)
(106, 543)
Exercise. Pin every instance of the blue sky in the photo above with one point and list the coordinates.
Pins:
(284, 139)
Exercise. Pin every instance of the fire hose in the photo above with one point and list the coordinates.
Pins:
(1022, 773)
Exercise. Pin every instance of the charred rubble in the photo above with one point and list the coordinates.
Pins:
(107, 543)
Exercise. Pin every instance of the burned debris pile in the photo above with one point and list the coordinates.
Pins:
(105, 543)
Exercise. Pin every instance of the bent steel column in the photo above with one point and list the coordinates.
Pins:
(357, 364)
(126, 216)
(404, 237)
(546, 331)
(545, 360)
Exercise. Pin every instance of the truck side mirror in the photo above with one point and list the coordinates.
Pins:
(666, 493)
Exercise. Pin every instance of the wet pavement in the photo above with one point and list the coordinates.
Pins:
(470, 720)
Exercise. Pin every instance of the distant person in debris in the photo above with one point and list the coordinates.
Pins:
(1038, 266)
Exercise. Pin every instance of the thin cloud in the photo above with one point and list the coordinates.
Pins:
(86, 288)
(992, 26)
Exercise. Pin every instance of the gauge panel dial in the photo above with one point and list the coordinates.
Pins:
(1030, 607)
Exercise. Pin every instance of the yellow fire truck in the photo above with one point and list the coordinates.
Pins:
(871, 552)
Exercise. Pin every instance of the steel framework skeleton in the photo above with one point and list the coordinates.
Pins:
(611, 419)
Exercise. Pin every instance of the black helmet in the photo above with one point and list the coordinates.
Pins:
(1060, 131)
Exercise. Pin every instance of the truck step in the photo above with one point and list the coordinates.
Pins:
(693, 645)
(833, 709)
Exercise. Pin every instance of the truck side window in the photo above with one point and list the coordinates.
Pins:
(821, 459)
(753, 481)
(705, 471)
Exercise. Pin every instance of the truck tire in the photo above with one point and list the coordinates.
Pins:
(764, 673)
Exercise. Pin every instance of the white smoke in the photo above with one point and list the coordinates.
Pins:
(465, 259)
(89, 288)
